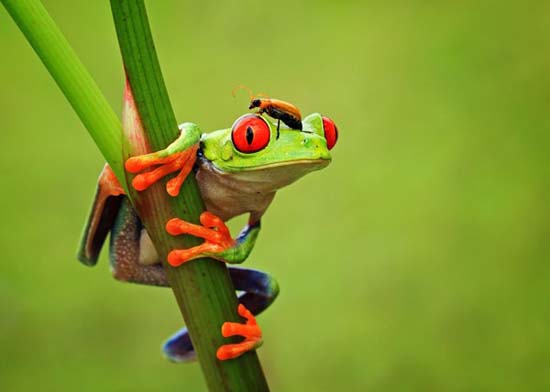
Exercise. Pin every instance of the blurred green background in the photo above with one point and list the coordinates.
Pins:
(417, 261)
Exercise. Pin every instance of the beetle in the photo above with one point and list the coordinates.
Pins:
(279, 110)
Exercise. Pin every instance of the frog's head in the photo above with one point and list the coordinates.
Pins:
(254, 150)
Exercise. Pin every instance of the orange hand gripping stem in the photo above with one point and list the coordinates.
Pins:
(214, 231)
(182, 161)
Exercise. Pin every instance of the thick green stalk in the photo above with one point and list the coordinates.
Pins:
(202, 288)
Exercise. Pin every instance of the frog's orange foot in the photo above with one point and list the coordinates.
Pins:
(166, 164)
(250, 331)
(217, 238)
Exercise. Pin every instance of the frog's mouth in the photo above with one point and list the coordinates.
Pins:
(315, 164)
(306, 165)
(270, 177)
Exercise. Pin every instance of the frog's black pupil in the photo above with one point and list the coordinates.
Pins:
(249, 135)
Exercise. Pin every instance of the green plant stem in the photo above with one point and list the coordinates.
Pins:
(71, 76)
(202, 287)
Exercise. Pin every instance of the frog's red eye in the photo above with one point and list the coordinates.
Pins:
(331, 132)
(250, 133)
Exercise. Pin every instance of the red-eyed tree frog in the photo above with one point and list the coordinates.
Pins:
(238, 171)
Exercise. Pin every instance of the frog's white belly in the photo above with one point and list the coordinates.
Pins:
(228, 195)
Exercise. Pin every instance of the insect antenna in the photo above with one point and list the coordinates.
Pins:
(242, 87)
(250, 93)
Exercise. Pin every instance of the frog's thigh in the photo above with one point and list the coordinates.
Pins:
(132, 260)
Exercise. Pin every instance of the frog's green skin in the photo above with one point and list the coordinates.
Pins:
(231, 183)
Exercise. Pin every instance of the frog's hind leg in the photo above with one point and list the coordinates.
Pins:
(259, 288)
(259, 291)
(133, 258)
(105, 209)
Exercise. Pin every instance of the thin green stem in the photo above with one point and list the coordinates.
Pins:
(71, 76)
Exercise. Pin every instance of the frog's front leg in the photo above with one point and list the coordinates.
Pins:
(180, 155)
(218, 242)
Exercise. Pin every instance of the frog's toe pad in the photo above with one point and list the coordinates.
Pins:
(231, 351)
(250, 331)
